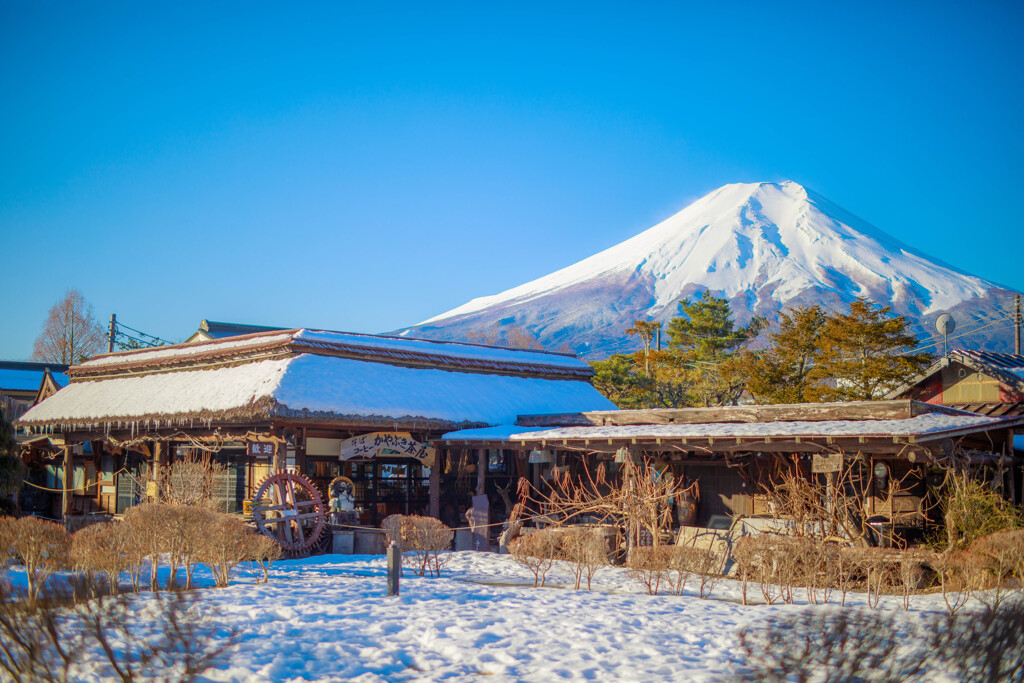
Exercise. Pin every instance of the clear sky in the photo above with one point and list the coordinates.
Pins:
(364, 166)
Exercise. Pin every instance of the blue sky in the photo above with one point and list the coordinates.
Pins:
(366, 166)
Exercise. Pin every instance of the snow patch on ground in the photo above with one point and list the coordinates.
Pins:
(327, 619)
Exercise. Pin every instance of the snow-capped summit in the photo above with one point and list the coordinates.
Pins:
(764, 246)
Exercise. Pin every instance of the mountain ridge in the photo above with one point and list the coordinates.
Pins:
(764, 246)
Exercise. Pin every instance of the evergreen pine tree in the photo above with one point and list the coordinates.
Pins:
(702, 340)
(781, 373)
(864, 354)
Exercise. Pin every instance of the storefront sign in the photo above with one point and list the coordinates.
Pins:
(541, 457)
(832, 462)
(378, 443)
(257, 448)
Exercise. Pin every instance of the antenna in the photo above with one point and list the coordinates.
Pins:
(945, 325)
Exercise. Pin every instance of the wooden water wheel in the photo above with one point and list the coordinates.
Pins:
(288, 508)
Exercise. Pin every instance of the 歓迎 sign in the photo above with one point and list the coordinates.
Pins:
(257, 448)
(370, 446)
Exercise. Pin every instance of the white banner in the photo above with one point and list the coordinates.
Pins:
(375, 444)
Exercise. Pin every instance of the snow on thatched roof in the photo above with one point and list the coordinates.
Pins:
(311, 387)
(936, 425)
(384, 349)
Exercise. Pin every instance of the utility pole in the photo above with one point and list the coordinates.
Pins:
(1016, 324)
(112, 333)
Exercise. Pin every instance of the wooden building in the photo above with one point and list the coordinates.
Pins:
(210, 330)
(293, 399)
(979, 381)
(735, 453)
(23, 384)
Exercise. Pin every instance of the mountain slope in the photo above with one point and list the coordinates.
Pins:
(764, 246)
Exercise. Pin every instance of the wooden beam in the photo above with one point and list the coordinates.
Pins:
(68, 480)
(481, 471)
(435, 482)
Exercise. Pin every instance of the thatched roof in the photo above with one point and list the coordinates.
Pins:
(316, 376)
(897, 423)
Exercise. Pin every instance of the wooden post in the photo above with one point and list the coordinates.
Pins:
(278, 462)
(435, 483)
(159, 456)
(69, 466)
(300, 451)
(394, 568)
(481, 471)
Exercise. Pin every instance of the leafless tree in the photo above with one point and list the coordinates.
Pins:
(71, 333)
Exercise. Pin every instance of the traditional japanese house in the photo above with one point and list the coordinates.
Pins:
(211, 329)
(979, 381)
(736, 454)
(326, 404)
(24, 383)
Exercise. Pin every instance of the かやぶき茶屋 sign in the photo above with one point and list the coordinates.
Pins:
(371, 445)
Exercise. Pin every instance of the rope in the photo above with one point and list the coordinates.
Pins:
(79, 488)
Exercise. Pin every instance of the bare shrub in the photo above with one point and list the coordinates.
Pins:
(638, 501)
(972, 510)
(263, 551)
(35, 641)
(537, 552)
(760, 558)
(911, 570)
(844, 569)
(955, 571)
(839, 646)
(879, 568)
(1000, 566)
(145, 522)
(745, 556)
(182, 646)
(43, 549)
(585, 551)
(864, 645)
(46, 641)
(226, 544)
(103, 550)
(190, 525)
(189, 481)
(706, 564)
(421, 541)
(986, 645)
(649, 566)
(680, 567)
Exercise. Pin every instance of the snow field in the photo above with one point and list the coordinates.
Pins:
(327, 619)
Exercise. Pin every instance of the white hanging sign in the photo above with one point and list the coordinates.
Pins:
(374, 444)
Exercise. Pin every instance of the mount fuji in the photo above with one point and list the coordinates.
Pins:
(764, 246)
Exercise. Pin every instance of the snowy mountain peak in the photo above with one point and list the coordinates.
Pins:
(765, 246)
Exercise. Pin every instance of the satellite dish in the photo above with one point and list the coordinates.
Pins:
(945, 325)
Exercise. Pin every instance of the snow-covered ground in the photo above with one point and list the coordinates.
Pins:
(327, 618)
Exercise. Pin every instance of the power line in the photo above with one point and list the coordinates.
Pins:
(962, 334)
